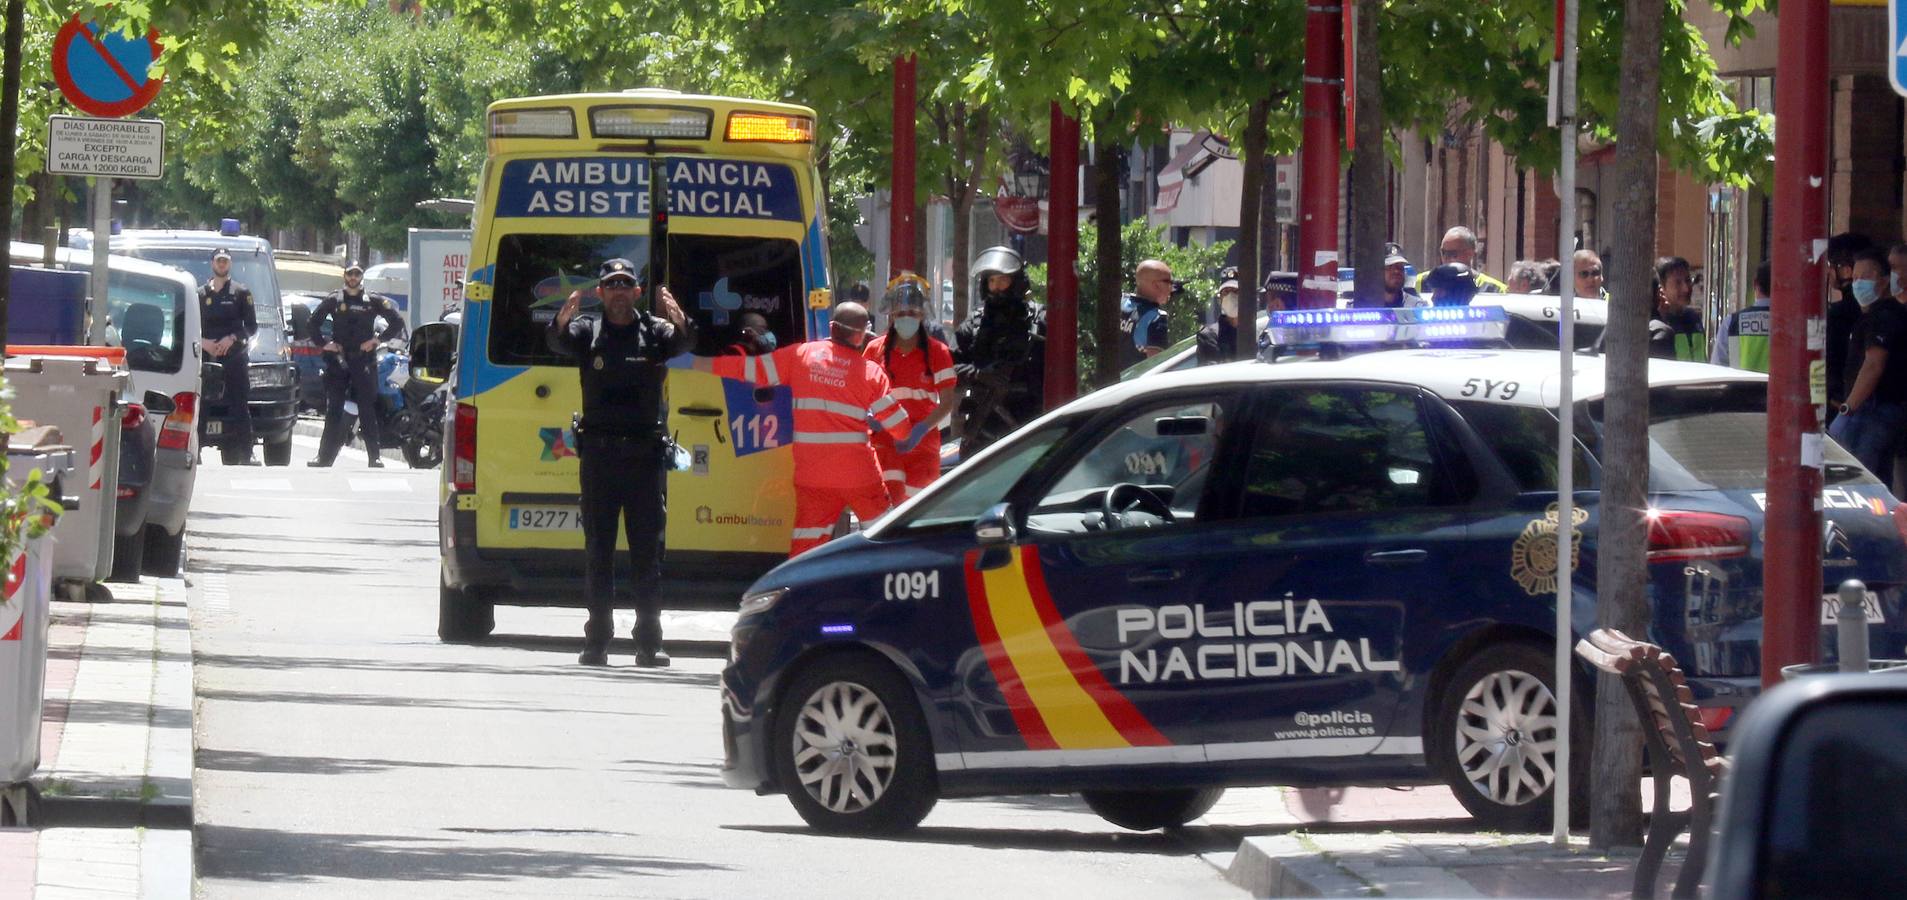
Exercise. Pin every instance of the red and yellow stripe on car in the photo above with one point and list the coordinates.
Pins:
(1058, 698)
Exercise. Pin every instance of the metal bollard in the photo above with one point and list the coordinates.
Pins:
(1851, 626)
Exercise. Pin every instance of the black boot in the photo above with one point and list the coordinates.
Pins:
(594, 655)
(648, 635)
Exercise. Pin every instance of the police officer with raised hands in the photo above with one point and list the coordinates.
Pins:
(622, 442)
(227, 321)
(351, 361)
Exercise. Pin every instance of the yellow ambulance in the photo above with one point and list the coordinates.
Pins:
(565, 186)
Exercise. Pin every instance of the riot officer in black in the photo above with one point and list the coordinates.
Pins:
(997, 353)
(350, 361)
(621, 438)
(227, 322)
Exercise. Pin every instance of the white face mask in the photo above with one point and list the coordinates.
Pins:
(906, 327)
(1228, 305)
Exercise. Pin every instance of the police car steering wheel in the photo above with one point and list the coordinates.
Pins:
(1126, 497)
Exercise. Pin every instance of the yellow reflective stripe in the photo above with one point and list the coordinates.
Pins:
(1075, 720)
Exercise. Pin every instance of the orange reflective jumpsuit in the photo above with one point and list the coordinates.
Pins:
(836, 391)
(918, 378)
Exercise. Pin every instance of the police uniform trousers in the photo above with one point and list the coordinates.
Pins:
(357, 375)
(235, 373)
(622, 479)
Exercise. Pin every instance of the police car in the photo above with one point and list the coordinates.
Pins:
(1336, 572)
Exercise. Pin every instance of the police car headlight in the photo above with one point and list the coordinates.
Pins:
(761, 601)
(270, 376)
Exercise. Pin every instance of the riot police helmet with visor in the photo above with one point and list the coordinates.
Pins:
(1004, 262)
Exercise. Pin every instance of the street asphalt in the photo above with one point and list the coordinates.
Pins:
(343, 751)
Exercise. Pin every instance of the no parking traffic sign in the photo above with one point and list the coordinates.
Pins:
(1897, 45)
(104, 72)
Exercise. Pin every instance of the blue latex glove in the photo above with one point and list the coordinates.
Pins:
(913, 439)
(681, 361)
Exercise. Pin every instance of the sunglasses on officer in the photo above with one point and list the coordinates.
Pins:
(618, 281)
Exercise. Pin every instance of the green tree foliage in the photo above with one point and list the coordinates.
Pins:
(351, 115)
(1194, 266)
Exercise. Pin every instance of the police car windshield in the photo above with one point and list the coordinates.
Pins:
(970, 491)
(1715, 437)
(253, 270)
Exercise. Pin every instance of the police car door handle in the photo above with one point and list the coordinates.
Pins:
(1155, 575)
(1396, 557)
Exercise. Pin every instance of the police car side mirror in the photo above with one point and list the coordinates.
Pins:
(1815, 801)
(995, 526)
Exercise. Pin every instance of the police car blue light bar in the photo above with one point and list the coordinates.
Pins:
(1406, 325)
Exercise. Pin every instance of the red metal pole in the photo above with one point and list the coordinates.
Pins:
(1323, 131)
(900, 234)
(1791, 562)
(1062, 252)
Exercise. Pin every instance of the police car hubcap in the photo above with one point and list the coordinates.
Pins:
(844, 747)
(1506, 737)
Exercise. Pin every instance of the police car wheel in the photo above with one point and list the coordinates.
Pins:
(1495, 738)
(851, 748)
(1149, 810)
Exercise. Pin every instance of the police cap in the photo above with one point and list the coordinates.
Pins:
(221, 252)
(619, 269)
(354, 267)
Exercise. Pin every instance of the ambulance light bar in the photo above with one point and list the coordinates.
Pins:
(1407, 325)
(774, 128)
(550, 123)
(651, 122)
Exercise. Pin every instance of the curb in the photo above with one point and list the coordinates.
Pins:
(1282, 866)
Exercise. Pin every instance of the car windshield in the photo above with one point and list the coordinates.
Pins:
(249, 268)
(1715, 437)
(973, 490)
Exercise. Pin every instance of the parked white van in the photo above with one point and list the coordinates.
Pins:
(154, 315)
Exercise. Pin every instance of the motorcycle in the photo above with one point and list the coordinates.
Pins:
(411, 411)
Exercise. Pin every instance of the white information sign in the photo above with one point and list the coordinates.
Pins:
(439, 261)
(109, 148)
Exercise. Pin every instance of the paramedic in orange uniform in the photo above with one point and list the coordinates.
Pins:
(921, 371)
(837, 392)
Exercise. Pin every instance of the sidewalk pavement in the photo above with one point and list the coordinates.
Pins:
(115, 754)
(1409, 842)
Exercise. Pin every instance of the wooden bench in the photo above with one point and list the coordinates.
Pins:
(1677, 745)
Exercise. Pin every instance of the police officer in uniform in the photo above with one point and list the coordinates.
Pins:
(1142, 314)
(622, 352)
(227, 322)
(350, 361)
(996, 353)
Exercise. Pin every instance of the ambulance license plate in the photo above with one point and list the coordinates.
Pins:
(546, 518)
(214, 428)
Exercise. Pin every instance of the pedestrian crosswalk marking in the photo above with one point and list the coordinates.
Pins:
(261, 484)
(379, 485)
(217, 594)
